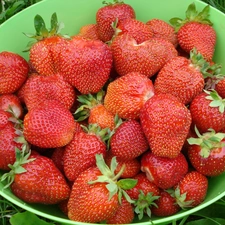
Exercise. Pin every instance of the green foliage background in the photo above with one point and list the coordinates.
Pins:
(13, 215)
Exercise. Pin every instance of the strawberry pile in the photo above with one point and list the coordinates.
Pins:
(124, 119)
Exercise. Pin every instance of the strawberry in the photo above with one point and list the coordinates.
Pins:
(135, 28)
(86, 64)
(92, 108)
(13, 72)
(49, 125)
(166, 123)
(132, 166)
(220, 87)
(8, 140)
(126, 95)
(206, 152)
(207, 111)
(11, 103)
(164, 172)
(80, 153)
(42, 53)
(196, 31)
(97, 193)
(162, 29)
(128, 141)
(57, 158)
(144, 193)
(190, 82)
(129, 56)
(123, 215)
(191, 190)
(30, 176)
(40, 88)
(165, 205)
(107, 14)
(89, 31)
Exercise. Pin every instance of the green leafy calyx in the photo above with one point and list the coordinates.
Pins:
(192, 15)
(207, 141)
(114, 184)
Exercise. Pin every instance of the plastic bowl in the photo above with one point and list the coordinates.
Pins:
(74, 14)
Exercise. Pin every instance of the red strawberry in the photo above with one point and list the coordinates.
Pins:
(207, 111)
(128, 141)
(144, 193)
(86, 64)
(123, 215)
(31, 176)
(220, 87)
(135, 28)
(12, 104)
(162, 29)
(89, 31)
(196, 31)
(181, 77)
(144, 185)
(129, 56)
(131, 167)
(8, 141)
(80, 153)
(126, 95)
(191, 190)
(166, 205)
(108, 14)
(40, 88)
(49, 125)
(162, 171)
(95, 195)
(91, 107)
(206, 152)
(13, 72)
(166, 123)
(57, 158)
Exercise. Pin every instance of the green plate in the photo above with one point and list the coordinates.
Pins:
(74, 14)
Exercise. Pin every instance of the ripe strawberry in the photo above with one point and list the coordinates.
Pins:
(107, 14)
(126, 95)
(196, 31)
(128, 141)
(166, 205)
(166, 123)
(144, 193)
(86, 64)
(207, 111)
(131, 167)
(13, 72)
(49, 125)
(190, 82)
(95, 195)
(30, 179)
(191, 190)
(8, 141)
(162, 29)
(89, 31)
(92, 108)
(220, 87)
(164, 172)
(129, 56)
(42, 53)
(123, 215)
(135, 28)
(206, 152)
(12, 104)
(40, 88)
(57, 158)
(80, 153)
